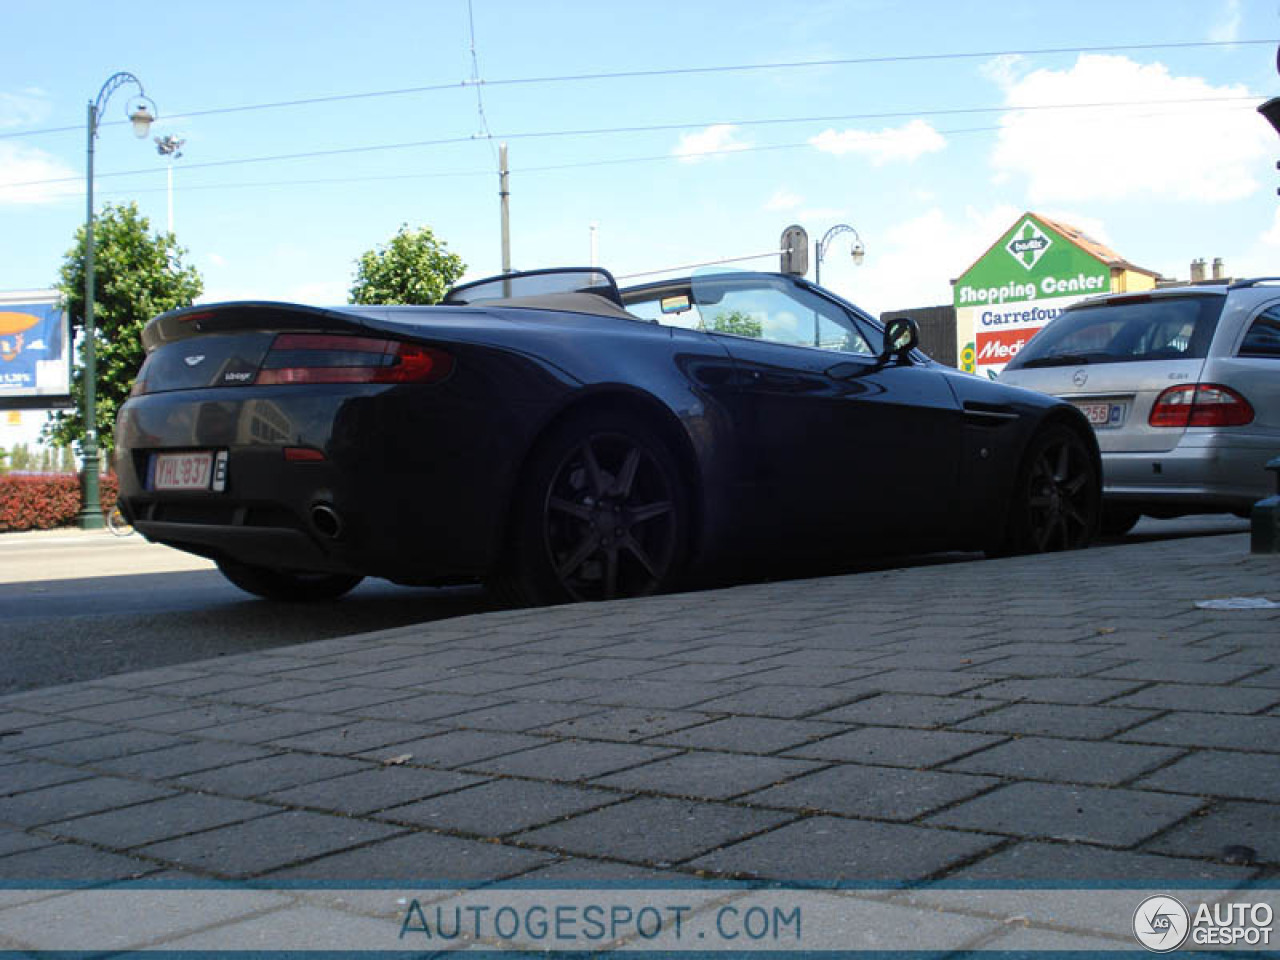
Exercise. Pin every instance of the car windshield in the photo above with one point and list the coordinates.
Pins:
(1124, 331)
(759, 306)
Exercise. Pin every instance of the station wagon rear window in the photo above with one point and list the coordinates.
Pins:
(1124, 331)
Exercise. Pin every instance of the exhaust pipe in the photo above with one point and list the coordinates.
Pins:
(326, 521)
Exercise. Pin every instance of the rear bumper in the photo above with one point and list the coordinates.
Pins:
(1208, 470)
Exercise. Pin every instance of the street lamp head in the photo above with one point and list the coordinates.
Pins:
(142, 116)
(859, 253)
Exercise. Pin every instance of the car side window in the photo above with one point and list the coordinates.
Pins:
(768, 313)
(1263, 338)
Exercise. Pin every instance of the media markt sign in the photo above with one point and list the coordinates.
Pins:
(1024, 280)
(1028, 244)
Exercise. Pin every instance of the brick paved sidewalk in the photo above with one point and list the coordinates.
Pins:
(1072, 717)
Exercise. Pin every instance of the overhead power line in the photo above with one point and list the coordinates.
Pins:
(658, 128)
(666, 72)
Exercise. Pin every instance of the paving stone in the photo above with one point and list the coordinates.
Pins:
(1171, 671)
(346, 699)
(1215, 773)
(122, 711)
(1228, 732)
(1069, 863)
(428, 707)
(625, 724)
(15, 841)
(185, 758)
(255, 778)
(1182, 696)
(272, 726)
(750, 734)
(356, 736)
(706, 673)
(825, 850)
(406, 860)
(273, 693)
(519, 717)
(905, 710)
(570, 760)
(880, 793)
(1066, 761)
(1111, 817)
(608, 668)
(456, 748)
(939, 683)
(708, 776)
(199, 717)
(563, 690)
(653, 830)
(778, 701)
(500, 807)
(1057, 720)
(580, 872)
(267, 843)
(34, 775)
(654, 693)
(898, 747)
(1078, 690)
(361, 793)
(1223, 831)
(466, 681)
(1048, 666)
(158, 820)
(61, 731)
(74, 800)
(67, 862)
(92, 750)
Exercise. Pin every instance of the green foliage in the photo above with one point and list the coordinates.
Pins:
(414, 268)
(137, 275)
(737, 322)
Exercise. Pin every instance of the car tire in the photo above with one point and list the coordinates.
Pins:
(602, 513)
(1117, 521)
(1057, 502)
(287, 585)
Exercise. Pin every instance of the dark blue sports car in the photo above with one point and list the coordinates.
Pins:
(563, 440)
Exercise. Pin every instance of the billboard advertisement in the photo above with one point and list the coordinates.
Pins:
(35, 355)
(1023, 282)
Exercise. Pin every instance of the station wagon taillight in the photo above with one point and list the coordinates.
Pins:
(338, 358)
(1200, 405)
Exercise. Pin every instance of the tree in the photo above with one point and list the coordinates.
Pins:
(414, 267)
(137, 275)
(739, 322)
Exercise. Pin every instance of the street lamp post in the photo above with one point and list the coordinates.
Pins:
(170, 147)
(141, 115)
(858, 252)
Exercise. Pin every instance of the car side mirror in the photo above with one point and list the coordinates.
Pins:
(901, 336)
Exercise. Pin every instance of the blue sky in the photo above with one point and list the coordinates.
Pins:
(1152, 146)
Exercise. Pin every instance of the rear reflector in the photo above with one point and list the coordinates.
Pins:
(303, 455)
(1200, 405)
(335, 358)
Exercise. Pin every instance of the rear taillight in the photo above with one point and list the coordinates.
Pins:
(1200, 405)
(336, 358)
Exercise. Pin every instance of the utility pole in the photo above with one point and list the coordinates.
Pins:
(170, 147)
(504, 196)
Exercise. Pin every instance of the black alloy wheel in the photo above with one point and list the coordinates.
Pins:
(1059, 496)
(287, 585)
(604, 515)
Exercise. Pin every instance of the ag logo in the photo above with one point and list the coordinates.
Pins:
(1161, 923)
(1028, 244)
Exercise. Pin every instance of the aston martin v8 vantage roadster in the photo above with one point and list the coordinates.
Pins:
(561, 439)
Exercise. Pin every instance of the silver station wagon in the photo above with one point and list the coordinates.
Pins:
(1182, 386)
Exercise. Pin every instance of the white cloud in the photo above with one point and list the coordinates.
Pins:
(912, 263)
(1204, 152)
(907, 142)
(22, 108)
(1004, 70)
(784, 200)
(717, 138)
(26, 174)
(1227, 28)
(217, 259)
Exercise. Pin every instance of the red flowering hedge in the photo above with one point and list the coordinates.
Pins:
(44, 501)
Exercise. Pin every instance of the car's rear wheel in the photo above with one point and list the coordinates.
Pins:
(287, 584)
(1117, 521)
(1058, 498)
(603, 513)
